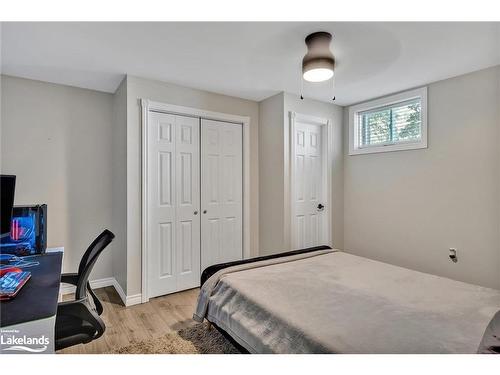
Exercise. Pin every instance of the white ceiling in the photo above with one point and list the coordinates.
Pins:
(248, 60)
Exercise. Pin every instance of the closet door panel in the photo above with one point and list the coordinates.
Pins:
(161, 204)
(188, 202)
(221, 192)
(173, 203)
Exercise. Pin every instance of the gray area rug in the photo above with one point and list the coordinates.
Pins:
(197, 339)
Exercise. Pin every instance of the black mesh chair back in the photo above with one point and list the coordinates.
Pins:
(78, 321)
(89, 259)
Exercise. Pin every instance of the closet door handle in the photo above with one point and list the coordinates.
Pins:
(204, 211)
(196, 212)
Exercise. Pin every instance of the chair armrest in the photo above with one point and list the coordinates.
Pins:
(69, 278)
(80, 310)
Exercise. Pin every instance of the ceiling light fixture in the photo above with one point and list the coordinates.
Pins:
(318, 63)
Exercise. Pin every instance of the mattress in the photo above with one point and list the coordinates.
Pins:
(329, 301)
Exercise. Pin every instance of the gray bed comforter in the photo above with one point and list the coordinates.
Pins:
(333, 302)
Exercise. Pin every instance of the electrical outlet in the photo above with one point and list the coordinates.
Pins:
(453, 254)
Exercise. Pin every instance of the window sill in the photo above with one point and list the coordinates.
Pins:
(388, 148)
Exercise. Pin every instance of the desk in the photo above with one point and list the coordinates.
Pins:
(27, 322)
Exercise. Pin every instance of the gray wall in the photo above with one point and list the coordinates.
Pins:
(119, 184)
(172, 94)
(57, 140)
(271, 174)
(273, 146)
(81, 150)
(409, 207)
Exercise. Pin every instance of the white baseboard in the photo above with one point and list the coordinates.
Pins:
(134, 299)
(101, 283)
(120, 292)
(127, 300)
(98, 283)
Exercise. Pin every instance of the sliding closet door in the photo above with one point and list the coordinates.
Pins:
(173, 203)
(221, 192)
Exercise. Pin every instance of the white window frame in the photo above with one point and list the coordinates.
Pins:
(356, 149)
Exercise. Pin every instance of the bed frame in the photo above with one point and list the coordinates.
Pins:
(208, 272)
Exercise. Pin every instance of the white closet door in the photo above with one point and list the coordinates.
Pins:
(173, 198)
(309, 216)
(221, 192)
(188, 202)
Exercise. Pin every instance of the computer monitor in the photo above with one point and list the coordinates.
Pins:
(7, 188)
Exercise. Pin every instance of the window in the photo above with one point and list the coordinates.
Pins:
(397, 122)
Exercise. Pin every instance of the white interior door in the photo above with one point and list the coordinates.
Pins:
(309, 211)
(221, 192)
(173, 203)
(188, 202)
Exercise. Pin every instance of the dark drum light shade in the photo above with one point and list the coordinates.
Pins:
(318, 63)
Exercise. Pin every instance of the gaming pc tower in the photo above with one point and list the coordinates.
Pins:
(24, 228)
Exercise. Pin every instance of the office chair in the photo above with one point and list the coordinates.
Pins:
(78, 321)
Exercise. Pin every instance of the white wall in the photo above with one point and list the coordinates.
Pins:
(273, 147)
(57, 140)
(138, 88)
(409, 207)
(1, 69)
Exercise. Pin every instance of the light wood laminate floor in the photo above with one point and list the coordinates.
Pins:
(159, 316)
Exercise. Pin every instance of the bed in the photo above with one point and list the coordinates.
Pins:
(321, 300)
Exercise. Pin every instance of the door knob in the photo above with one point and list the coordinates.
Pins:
(204, 211)
(320, 207)
(196, 212)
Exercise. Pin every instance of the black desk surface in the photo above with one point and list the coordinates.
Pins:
(38, 297)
